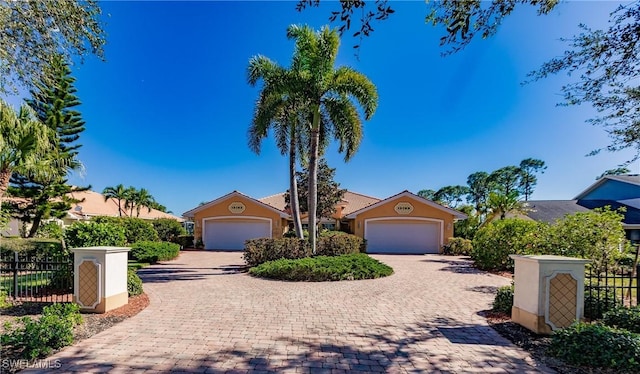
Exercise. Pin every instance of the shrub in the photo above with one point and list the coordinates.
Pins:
(458, 247)
(493, 243)
(87, 234)
(504, 300)
(153, 252)
(258, 251)
(595, 345)
(199, 243)
(623, 318)
(135, 229)
(3, 299)
(184, 241)
(596, 304)
(168, 229)
(323, 268)
(339, 243)
(50, 230)
(39, 246)
(134, 283)
(38, 337)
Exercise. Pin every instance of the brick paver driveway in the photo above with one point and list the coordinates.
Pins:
(205, 316)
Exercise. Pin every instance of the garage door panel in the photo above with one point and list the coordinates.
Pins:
(410, 237)
(231, 234)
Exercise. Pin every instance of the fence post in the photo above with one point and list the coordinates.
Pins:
(637, 285)
(14, 266)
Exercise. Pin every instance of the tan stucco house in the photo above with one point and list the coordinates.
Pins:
(402, 223)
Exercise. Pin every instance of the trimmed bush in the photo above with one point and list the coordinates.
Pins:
(258, 251)
(168, 229)
(35, 245)
(134, 283)
(339, 243)
(323, 268)
(184, 241)
(135, 229)
(595, 345)
(504, 300)
(597, 304)
(623, 318)
(458, 247)
(39, 337)
(50, 230)
(87, 234)
(493, 243)
(153, 252)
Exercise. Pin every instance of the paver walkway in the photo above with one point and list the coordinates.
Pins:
(205, 316)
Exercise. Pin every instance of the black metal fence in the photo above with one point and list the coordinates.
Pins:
(28, 276)
(606, 290)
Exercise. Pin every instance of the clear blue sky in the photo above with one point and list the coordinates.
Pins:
(170, 108)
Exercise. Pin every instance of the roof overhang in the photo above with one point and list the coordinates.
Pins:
(406, 194)
(191, 213)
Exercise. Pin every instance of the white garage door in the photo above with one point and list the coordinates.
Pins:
(230, 234)
(411, 237)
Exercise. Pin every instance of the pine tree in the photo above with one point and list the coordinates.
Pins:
(54, 104)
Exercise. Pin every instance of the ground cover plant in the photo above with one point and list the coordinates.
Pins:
(323, 268)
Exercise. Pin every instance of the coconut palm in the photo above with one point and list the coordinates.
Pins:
(142, 198)
(117, 193)
(500, 204)
(282, 113)
(26, 146)
(329, 94)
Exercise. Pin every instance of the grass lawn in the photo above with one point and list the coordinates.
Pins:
(135, 265)
(35, 279)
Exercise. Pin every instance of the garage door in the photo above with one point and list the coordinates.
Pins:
(230, 234)
(410, 237)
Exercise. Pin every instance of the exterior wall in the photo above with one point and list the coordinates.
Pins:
(420, 210)
(252, 209)
(613, 190)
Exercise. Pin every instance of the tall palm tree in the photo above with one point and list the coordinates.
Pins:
(117, 193)
(282, 113)
(142, 198)
(26, 146)
(329, 94)
(130, 199)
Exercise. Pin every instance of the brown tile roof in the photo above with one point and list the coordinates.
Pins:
(93, 204)
(352, 201)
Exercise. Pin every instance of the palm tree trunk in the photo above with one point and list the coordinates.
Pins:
(5, 176)
(293, 186)
(313, 177)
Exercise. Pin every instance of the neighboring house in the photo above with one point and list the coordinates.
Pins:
(93, 204)
(615, 191)
(403, 223)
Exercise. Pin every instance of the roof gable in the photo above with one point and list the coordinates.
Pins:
(612, 187)
(405, 194)
(193, 211)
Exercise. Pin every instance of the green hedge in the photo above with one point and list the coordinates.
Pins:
(184, 241)
(458, 247)
(39, 337)
(596, 304)
(623, 318)
(153, 252)
(88, 234)
(36, 245)
(134, 283)
(258, 251)
(135, 229)
(503, 303)
(323, 268)
(168, 229)
(597, 346)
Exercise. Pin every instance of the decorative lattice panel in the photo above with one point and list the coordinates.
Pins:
(88, 282)
(562, 300)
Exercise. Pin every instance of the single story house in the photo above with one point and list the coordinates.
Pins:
(615, 191)
(403, 223)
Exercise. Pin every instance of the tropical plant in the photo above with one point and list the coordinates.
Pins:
(142, 198)
(330, 94)
(117, 193)
(499, 205)
(26, 145)
(282, 112)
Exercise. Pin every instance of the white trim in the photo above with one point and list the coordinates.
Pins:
(204, 222)
(410, 195)
(554, 274)
(98, 283)
(191, 213)
(440, 222)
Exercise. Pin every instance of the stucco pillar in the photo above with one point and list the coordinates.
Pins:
(549, 292)
(100, 278)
